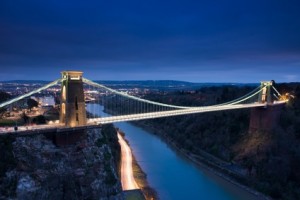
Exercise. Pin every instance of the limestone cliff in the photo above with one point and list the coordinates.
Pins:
(34, 168)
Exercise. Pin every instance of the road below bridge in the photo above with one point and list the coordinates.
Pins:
(127, 179)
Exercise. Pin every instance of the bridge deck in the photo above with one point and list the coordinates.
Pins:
(97, 122)
(152, 115)
(40, 129)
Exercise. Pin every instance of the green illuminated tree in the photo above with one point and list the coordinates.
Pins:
(31, 103)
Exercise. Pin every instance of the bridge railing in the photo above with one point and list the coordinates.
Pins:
(124, 103)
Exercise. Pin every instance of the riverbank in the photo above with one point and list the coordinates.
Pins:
(194, 180)
(140, 176)
(212, 166)
(141, 179)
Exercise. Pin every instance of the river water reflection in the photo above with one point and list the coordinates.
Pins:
(171, 175)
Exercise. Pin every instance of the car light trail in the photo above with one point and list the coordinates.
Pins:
(127, 179)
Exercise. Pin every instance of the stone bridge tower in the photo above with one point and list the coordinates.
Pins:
(265, 95)
(265, 119)
(73, 111)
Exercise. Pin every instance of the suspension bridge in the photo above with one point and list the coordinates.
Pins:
(75, 90)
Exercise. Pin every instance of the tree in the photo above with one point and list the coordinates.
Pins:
(25, 118)
(3, 97)
(31, 103)
(40, 119)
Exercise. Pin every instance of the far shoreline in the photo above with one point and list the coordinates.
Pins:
(214, 172)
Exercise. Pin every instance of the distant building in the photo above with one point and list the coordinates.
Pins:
(47, 101)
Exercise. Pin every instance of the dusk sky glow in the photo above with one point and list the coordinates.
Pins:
(197, 41)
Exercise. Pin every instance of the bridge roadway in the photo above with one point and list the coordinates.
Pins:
(40, 129)
(152, 115)
(95, 122)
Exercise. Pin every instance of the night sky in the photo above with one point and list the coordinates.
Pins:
(198, 41)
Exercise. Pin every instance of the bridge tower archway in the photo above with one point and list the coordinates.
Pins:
(265, 95)
(72, 106)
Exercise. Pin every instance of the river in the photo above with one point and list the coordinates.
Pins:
(170, 174)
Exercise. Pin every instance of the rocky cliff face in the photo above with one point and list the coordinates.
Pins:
(41, 170)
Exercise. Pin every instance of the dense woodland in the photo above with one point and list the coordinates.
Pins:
(270, 159)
